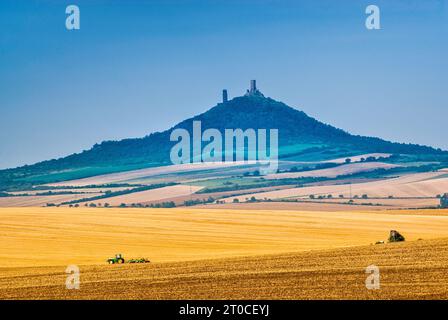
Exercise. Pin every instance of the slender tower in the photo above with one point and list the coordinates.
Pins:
(253, 86)
(224, 96)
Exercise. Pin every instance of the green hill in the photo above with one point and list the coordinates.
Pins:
(300, 138)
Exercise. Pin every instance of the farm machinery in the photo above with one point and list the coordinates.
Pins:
(140, 260)
(119, 259)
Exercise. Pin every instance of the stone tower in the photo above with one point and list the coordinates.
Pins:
(253, 91)
(253, 85)
(224, 96)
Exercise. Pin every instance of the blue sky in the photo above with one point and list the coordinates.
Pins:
(136, 67)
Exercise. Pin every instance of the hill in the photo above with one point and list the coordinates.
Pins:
(301, 137)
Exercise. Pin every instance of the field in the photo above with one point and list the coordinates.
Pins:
(139, 176)
(428, 184)
(374, 204)
(205, 253)
(34, 201)
(413, 270)
(345, 169)
(158, 195)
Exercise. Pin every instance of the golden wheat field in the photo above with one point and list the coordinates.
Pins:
(221, 254)
(410, 270)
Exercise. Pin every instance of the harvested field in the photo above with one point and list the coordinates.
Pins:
(428, 184)
(331, 205)
(39, 201)
(410, 270)
(62, 236)
(153, 195)
(359, 157)
(180, 200)
(77, 190)
(345, 169)
(138, 175)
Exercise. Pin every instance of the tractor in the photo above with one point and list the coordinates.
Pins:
(117, 259)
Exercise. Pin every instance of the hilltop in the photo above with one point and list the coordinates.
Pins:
(301, 137)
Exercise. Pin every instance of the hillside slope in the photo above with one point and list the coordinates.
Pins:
(300, 136)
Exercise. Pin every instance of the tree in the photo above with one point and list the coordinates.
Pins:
(364, 196)
(348, 160)
(444, 201)
(236, 200)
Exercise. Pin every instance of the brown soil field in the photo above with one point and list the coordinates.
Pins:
(78, 190)
(330, 205)
(427, 184)
(38, 201)
(409, 270)
(334, 172)
(403, 203)
(158, 195)
(204, 196)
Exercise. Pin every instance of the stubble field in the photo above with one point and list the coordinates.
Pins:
(221, 254)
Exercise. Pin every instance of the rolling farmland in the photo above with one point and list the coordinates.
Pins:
(221, 254)
(412, 270)
(428, 184)
(61, 236)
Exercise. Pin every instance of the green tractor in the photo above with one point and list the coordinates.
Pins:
(117, 259)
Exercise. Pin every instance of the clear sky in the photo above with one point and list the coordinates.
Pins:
(136, 67)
